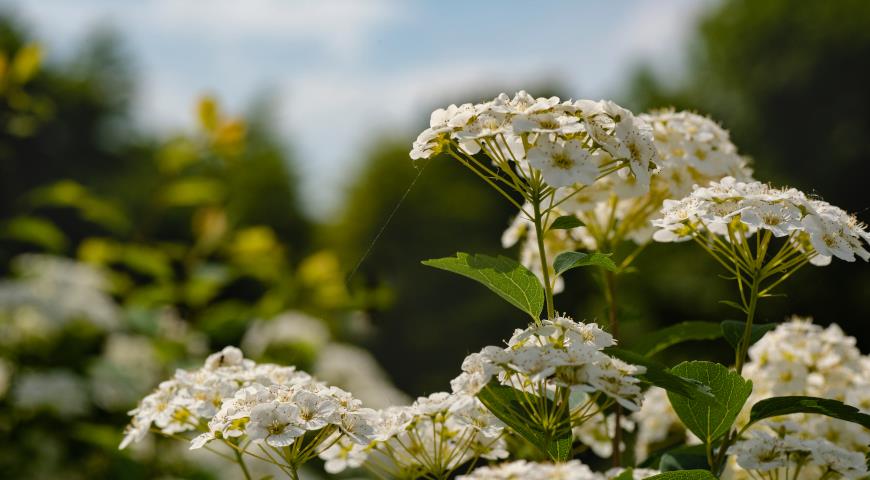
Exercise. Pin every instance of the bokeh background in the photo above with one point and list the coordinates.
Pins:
(176, 177)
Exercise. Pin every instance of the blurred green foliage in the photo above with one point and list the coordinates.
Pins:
(197, 234)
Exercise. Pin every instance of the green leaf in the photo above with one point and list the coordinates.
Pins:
(684, 458)
(680, 457)
(710, 422)
(192, 191)
(674, 334)
(732, 330)
(566, 222)
(684, 475)
(70, 194)
(504, 403)
(504, 276)
(35, 230)
(627, 474)
(568, 260)
(733, 305)
(658, 375)
(776, 406)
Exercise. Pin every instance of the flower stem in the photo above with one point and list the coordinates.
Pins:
(538, 220)
(241, 461)
(610, 296)
(747, 330)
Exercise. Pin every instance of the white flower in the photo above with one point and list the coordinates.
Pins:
(228, 357)
(522, 469)
(276, 423)
(342, 455)
(563, 163)
(315, 411)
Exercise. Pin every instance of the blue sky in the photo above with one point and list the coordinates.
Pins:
(340, 73)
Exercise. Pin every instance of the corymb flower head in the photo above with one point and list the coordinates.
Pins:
(735, 210)
(236, 402)
(429, 439)
(691, 149)
(573, 470)
(557, 371)
(566, 142)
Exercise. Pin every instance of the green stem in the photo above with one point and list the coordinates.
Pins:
(747, 330)
(610, 296)
(241, 461)
(545, 268)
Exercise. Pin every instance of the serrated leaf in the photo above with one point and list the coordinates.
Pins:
(566, 222)
(776, 406)
(504, 403)
(658, 375)
(568, 260)
(674, 334)
(504, 276)
(684, 475)
(710, 422)
(732, 330)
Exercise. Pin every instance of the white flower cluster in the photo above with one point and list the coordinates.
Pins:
(800, 358)
(433, 436)
(556, 353)
(231, 396)
(692, 149)
(568, 142)
(571, 470)
(796, 358)
(756, 206)
(770, 456)
(50, 293)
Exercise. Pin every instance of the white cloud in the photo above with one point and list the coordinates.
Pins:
(335, 116)
(331, 107)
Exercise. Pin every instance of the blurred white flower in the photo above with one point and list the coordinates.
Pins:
(285, 329)
(57, 391)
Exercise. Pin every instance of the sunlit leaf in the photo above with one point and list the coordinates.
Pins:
(709, 421)
(503, 402)
(36, 231)
(207, 113)
(26, 62)
(192, 191)
(776, 406)
(568, 260)
(566, 222)
(504, 276)
(684, 475)
(656, 374)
